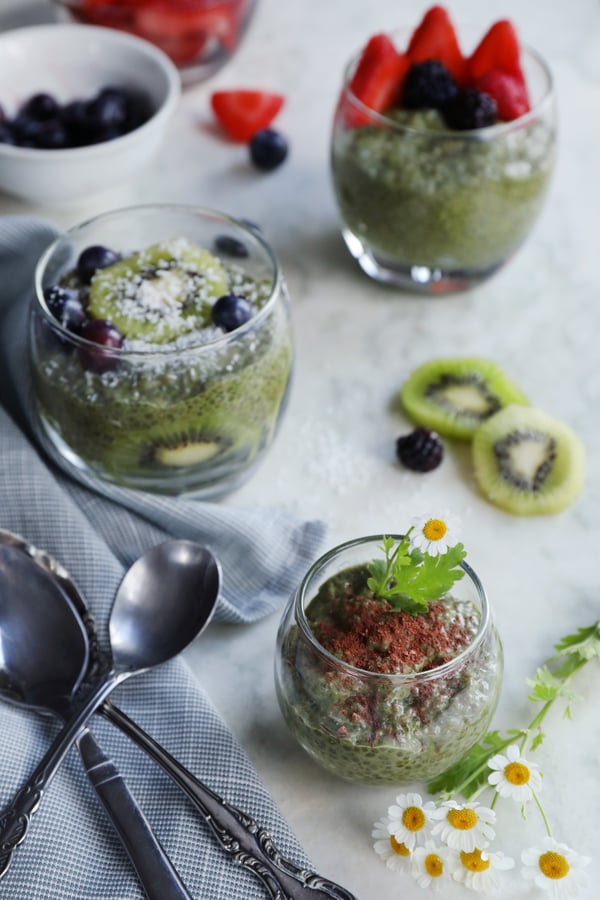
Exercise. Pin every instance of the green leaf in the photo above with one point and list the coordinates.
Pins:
(471, 772)
(585, 642)
(537, 740)
(547, 687)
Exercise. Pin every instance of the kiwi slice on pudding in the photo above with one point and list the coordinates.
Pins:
(528, 463)
(454, 396)
(160, 293)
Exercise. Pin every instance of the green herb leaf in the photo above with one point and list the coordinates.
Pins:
(410, 579)
(471, 772)
(585, 642)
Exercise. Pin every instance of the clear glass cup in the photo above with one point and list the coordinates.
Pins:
(190, 415)
(200, 36)
(437, 211)
(377, 728)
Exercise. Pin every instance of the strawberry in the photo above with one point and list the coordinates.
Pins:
(435, 38)
(508, 91)
(498, 49)
(379, 75)
(244, 112)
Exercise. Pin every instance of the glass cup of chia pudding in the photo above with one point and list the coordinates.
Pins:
(161, 349)
(378, 696)
(432, 209)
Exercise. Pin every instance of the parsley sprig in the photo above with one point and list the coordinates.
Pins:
(409, 579)
(552, 680)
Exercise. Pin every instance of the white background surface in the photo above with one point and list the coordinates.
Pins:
(356, 342)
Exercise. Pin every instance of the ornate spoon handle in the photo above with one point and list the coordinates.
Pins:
(249, 845)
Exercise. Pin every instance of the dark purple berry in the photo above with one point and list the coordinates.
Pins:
(230, 246)
(26, 130)
(93, 258)
(428, 85)
(471, 109)
(52, 135)
(40, 107)
(421, 450)
(107, 338)
(108, 110)
(66, 307)
(230, 311)
(268, 149)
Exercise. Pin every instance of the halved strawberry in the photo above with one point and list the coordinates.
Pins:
(498, 49)
(509, 92)
(244, 112)
(435, 38)
(379, 75)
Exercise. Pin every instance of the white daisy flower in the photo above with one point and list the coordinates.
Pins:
(428, 865)
(409, 819)
(393, 853)
(434, 535)
(555, 868)
(464, 826)
(514, 776)
(478, 869)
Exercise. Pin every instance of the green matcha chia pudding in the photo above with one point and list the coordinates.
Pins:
(379, 695)
(434, 209)
(161, 349)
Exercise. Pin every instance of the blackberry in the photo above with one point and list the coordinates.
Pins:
(429, 85)
(421, 450)
(471, 109)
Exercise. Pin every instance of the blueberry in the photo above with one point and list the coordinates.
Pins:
(26, 130)
(66, 307)
(230, 246)
(106, 337)
(93, 258)
(230, 311)
(40, 107)
(108, 109)
(6, 135)
(268, 149)
(52, 135)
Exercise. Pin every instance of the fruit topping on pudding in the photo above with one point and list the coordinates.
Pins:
(469, 92)
(42, 123)
(170, 290)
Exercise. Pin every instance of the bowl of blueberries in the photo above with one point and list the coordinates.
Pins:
(86, 116)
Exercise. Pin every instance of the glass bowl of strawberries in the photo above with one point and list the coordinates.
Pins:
(441, 158)
(200, 36)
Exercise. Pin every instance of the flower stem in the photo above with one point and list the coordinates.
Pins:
(542, 813)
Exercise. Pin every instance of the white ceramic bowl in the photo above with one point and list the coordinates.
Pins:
(75, 62)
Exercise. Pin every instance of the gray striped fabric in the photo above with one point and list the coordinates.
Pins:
(96, 531)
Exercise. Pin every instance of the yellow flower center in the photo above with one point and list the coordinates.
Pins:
(434, 865)
(473, 861)
(435, 529)
(553, 865)
(397, 847)
(463, 819)
(413, 818)
(517, 773)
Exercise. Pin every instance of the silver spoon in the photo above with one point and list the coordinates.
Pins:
(249, 844)
(42, 666)
(164, 600)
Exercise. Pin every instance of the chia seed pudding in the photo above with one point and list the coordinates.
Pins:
(184, 400)
(378, 696)
(419, 195)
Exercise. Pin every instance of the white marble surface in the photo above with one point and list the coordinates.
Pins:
(356, 342)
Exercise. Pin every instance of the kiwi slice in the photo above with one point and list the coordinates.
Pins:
(454, 396)
(528, 463)
(182, 450)
(160, 293)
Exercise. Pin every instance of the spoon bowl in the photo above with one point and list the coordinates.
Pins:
(44, 653)
(164, 600)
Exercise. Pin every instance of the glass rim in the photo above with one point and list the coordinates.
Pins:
(473, 134)
(485, 620)
(167, 350)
